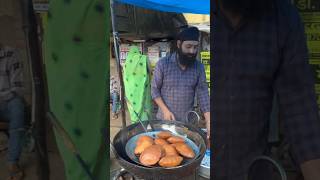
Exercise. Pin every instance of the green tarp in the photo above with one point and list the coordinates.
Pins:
(137, 85)
(77, 63)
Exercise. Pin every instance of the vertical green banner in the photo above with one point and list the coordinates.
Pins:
(77, 64)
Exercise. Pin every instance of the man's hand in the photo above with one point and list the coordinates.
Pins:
(311, 169)
(167, 115)
(208, 128)
(207, 118)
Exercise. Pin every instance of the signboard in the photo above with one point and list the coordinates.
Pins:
(41, 7)
(310, 14)
(156, 51)
(124, 50)
(315, 64)
(153, 55)
(205, 59)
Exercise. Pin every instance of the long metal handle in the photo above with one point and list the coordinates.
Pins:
(197, 115)
(273, 162)
(140, 121)
(69, 143)
(149, 116)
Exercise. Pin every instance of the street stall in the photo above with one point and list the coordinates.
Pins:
(144, 46)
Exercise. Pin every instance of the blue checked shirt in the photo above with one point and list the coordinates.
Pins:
(178, 87)
(250, 63)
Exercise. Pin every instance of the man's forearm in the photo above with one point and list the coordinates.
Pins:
(311, 169)
(207, 116)
(207, 119)
(161, 104)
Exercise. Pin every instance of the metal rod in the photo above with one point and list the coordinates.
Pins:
(69, 143)
(116, 50)
(276, 165)
(34, 60)
(139, 119)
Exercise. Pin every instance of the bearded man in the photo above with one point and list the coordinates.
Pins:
(179, 78)
(260, 53)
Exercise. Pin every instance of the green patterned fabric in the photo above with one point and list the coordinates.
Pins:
(77, 64)
(137, 85)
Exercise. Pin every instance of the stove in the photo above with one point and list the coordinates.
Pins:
(119, 173)
(122, 165)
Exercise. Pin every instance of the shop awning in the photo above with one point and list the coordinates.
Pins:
(177, 6)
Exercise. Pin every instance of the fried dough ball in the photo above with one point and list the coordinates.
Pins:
(175, 139)
(151, 155)
(170, 161)
(184, 150)
(160, 141)
(170, 150)
(164, 134)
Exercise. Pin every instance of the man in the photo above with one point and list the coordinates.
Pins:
(178, 78)
(260, 51)
(12, 106)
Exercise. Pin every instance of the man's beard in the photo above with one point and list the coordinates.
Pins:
(186, 59)
(247, 8)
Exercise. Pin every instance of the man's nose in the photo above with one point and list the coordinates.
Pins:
(192, 50)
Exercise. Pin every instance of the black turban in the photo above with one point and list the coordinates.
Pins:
(189, 34)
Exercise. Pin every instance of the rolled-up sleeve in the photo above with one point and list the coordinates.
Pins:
(202, 91)
(297, 99)
(157, 80)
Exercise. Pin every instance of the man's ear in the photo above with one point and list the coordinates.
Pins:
(179, 43)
